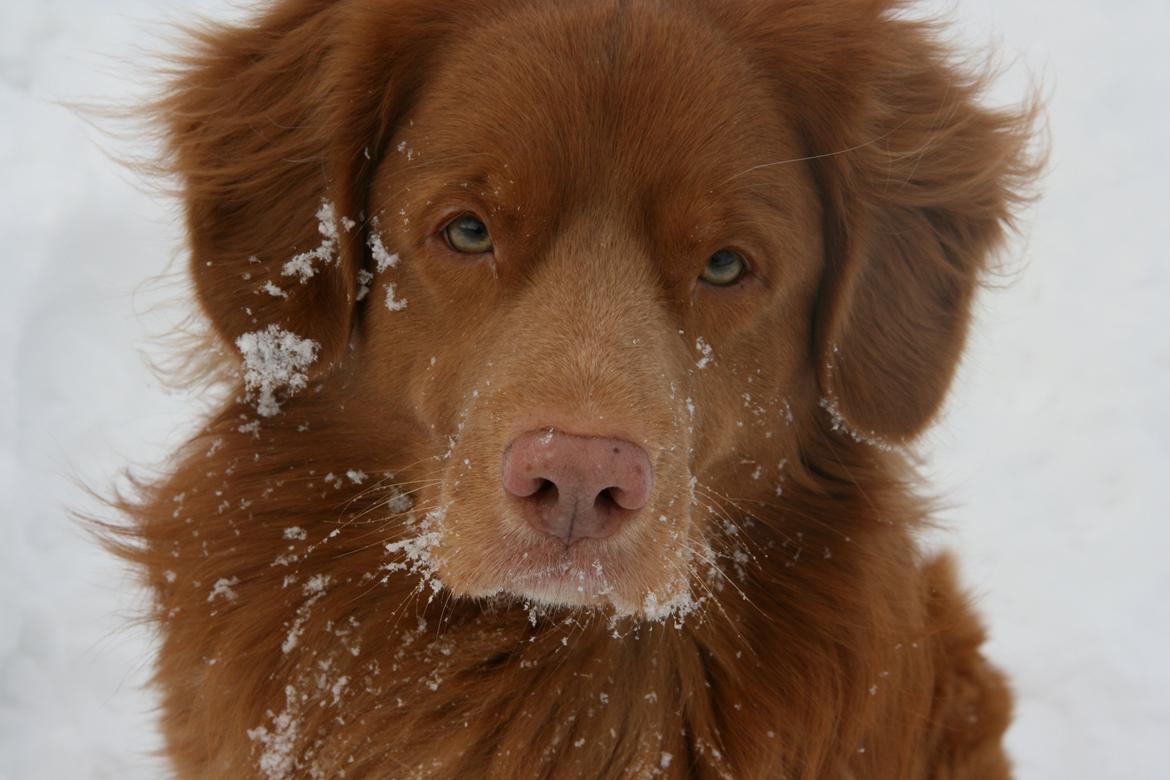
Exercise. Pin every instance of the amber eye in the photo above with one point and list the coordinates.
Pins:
(725, 268)
(468, 234)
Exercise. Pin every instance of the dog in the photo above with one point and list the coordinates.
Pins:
(572, 354)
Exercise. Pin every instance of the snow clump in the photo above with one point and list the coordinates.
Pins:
(275, 359)
(393, 303)
(326, 252)
(674, 607)
(383, 259)
(223, 589)
(278, 759)
(417, 551)
(708, 354)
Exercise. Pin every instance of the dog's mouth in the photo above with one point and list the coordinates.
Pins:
(615, 575)
(578, 575)
(605, 574)
(566, 522)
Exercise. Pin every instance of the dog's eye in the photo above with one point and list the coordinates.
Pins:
(468, 234)
(725, 268)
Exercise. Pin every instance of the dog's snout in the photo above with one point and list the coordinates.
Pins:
(576, 487)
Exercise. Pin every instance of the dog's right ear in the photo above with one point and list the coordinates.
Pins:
(273, 131)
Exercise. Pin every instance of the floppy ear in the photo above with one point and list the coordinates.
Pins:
(918, 182)
(274, 130)
(915, 208)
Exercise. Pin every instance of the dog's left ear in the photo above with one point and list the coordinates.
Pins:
(918, 182)
(917, 203)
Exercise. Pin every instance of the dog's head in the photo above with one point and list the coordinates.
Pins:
(582, 270)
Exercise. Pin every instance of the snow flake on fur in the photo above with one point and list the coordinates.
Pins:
(707, 355)
(382, 258)
(393, 303)
(278, 758)
(841, 425)
(303, 265)
(416, 551)
(275, 360)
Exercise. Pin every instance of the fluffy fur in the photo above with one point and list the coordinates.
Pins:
(341, 586)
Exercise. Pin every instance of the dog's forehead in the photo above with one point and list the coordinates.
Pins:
(602, 96)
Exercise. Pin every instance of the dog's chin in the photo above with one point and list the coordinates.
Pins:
(567, 592)
(546, 575)
(589, 575)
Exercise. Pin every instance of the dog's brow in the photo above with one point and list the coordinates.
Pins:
(764, 198)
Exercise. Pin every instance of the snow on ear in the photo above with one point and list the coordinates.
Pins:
(246, 124)
(274, 129)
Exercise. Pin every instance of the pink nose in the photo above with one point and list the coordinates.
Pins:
(576, 487)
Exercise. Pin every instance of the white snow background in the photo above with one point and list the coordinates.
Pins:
(1054, 454)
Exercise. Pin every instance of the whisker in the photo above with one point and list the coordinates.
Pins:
(727, 579)
(354, 519)
(741, 533)
(811, 157)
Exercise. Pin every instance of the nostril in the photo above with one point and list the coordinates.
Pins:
(546, 492)
(629, 497)
(606, 502)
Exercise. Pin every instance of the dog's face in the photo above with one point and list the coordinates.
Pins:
(594, 259)
(627, 259)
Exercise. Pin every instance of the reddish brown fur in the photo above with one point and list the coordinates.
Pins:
(612, 146)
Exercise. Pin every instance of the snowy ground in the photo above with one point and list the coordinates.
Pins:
(1051, 454)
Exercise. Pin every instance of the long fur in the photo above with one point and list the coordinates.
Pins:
(334, 587)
